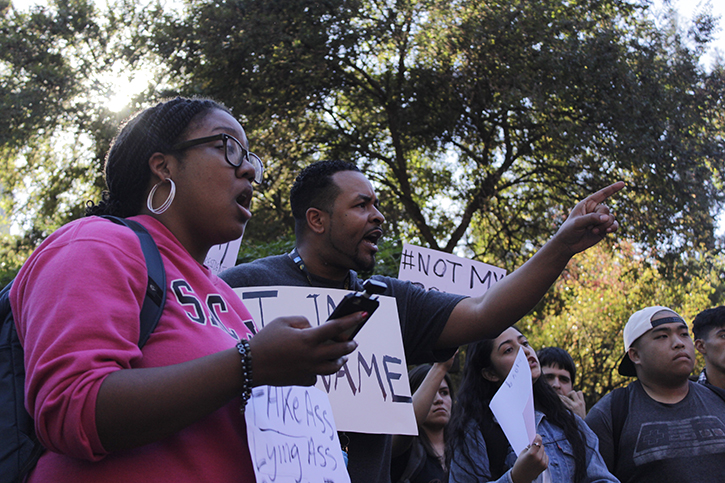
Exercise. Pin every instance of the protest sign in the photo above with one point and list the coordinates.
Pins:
(436, 270)
(513, 405)
(370, 393)
(221, 257)
(292, 436)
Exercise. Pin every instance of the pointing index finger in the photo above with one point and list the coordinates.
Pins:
(605, 193)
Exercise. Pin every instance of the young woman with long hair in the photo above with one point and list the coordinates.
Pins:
(421, 459)
(564, 450)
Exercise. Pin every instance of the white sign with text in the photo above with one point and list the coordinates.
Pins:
(370, 394)
(513, 405)
(292, 436)
(221, 257)
(436, 270)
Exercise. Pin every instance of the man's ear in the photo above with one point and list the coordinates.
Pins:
(317, 220)
(490, 375)
(700, 346)
(633, 355)
(159, 165)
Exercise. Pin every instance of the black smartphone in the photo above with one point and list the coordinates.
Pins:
(367, 301)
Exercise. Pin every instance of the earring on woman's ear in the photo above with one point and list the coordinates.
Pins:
(165, 205)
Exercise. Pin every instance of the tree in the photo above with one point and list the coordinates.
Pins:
(54, 128)
(585, 312)
(480, 122)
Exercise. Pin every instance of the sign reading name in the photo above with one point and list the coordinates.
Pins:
(221, 257)
(436, 270)
(370, 393)
(292, 436)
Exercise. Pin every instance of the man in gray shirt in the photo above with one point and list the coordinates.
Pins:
(662, 427)
(337, 227)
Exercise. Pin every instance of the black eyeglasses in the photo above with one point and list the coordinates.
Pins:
(234, 152)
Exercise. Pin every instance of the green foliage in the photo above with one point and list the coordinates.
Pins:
(479, 122)
(54, 129)
(585, 312)
(13, 253)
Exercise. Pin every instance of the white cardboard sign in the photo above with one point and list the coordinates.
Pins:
(436, 270)
(221, 257)
(370, 393)
(513, 405)
(292, 436)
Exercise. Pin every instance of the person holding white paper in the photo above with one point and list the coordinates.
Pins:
(564, 450)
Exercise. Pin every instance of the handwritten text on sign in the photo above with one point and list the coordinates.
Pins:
(513, 404)
(436, 270)
(292, 436)
(370, 393)
(221, 257)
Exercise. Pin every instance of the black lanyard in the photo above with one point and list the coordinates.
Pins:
(295, 256)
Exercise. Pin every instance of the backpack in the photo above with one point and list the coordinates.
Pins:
(19, 446)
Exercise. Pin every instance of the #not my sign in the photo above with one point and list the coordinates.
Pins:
(370, 393)
(436, 270)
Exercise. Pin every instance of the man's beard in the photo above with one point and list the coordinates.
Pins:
(358, 263)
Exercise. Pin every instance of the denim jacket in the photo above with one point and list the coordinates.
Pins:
(474, 466)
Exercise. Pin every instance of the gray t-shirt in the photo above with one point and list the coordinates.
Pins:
(661, 442)
(423, 315)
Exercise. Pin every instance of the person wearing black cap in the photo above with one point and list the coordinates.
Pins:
(661, 427)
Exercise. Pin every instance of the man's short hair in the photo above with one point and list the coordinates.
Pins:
(315, 188)
(556, 356)
(707, 320)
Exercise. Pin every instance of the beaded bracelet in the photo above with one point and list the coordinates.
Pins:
(246, 353)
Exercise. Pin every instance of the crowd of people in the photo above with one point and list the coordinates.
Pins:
(665, 426)
(107, 410)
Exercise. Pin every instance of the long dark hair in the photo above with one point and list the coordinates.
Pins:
(152, 130)
(416, 377)
(475, 394)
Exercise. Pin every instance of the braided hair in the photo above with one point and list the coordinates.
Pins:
(475, 394)
(152, 130)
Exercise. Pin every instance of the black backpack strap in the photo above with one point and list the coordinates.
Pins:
(717, 390)
(619, 409)
(17, 425)
(153, 304)
(19, 446)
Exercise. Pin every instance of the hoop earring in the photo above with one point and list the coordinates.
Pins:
(165, 205)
